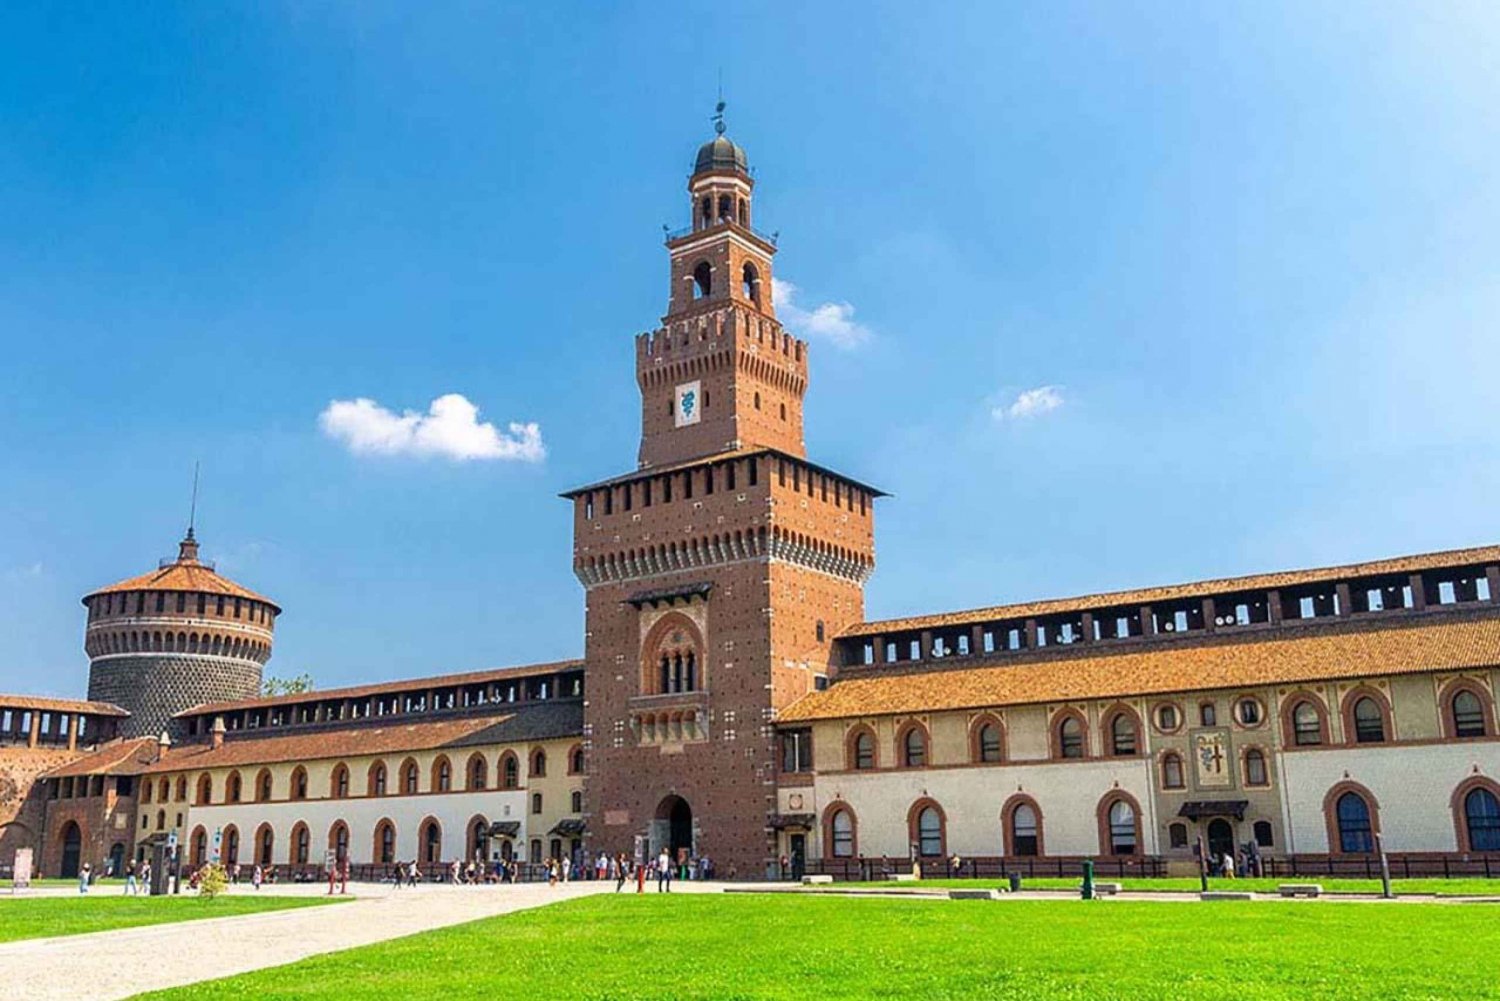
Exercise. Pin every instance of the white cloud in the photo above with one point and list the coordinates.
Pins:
(450, 429)
(1029, 403)
(830, 321)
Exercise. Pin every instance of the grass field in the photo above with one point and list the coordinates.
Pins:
(1439, 887)
(692, 946)
(44, 917)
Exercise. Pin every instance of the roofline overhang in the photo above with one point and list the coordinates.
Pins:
(641, 474)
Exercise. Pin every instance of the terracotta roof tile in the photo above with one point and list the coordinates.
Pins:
(128, 757)
(538, 721)
(189, 575)
(1294, 655)
(46, 703)
(1197, 589)
(387, 687)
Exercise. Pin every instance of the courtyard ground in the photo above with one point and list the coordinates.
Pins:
(24, 917)
(744, 946)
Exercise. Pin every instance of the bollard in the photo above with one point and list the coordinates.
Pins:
(1015, 882)
(1088, 879)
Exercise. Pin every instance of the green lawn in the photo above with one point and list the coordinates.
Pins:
(44, 917)
(692, 946)
(1440, 887)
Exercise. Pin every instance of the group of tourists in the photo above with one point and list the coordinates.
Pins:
(602, 866)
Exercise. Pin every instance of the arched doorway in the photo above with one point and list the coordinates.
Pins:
(72, 840)
(1220, 837)
(117, 858)
(673, 828)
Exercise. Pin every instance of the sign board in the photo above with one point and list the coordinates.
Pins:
(688, 407)
(1211, 754)
(172, 841)
(21, 870)
(218, 840)
(639, 851)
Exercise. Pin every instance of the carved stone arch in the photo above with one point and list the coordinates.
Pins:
(976, 729)
(1331, 816)
(1459, 805)
(1008, 824)
(673, 636)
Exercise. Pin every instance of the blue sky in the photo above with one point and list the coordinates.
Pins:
(1251, 248)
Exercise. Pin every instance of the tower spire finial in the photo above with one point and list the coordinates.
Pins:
(193, 507)
(719, 108)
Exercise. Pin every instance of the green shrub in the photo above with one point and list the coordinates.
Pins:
(212, 879)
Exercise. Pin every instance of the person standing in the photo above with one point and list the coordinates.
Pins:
(664, 872)
(256, 876)
(567, 868)
(131, 886)
(83, 877)
(145, 886)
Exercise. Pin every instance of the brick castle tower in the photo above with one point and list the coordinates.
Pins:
(718, 573)
(174, 638)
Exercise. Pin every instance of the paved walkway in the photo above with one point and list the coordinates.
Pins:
(118, 964)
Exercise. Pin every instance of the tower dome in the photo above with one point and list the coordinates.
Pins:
(721, 153)
(173, 638)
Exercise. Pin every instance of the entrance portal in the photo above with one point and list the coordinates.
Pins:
(673, 827)
(1220, 837)
(72, 848)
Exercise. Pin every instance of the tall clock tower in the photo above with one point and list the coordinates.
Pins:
(719, 571)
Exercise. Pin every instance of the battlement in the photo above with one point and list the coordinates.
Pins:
(716, 329)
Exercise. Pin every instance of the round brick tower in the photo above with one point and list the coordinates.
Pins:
(174, 638)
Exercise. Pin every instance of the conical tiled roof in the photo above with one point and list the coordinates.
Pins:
(186, 573)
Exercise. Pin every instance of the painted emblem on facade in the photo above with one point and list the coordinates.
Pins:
(688, 408)
(1211, 753)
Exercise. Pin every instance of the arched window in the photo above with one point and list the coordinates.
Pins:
(575, 760)
(538, 763)
(860, 748)
(479, 772)
(1122, 735)
(1070, 737)
(1369, 721)
(509, 771)
(377, 783)
(409, 778)
(163, 789)
(750, 282)
(198, 852)
(1255, 768)
(265, 841)
(301, 844)
(673, 655)
(1124, 832)
(987, 741)
(181, 788)
(339, 785)
(338, 840)
(234, 788)
(703, 280)
(1171, 771)
(926, 825)
(841, 833)
(1167, 719)
(1481, 820)
(385, 842)
(1468, 714)
(536, 802)
(146, 792)
(432, 841)
(1355, 830)
(1263, 836)
(263, 786)
(205, 789)
(914, 747)
(161, 819)
(479, 838)
(1023, 828)
(1307, 724)
(231, 845)
(299, 783)
(442, 774)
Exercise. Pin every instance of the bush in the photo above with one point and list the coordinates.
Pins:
(212, 879)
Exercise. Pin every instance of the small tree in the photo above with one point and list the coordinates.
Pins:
(212, 879)
(287, 686)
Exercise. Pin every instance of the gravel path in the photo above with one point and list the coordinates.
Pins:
(118, 964)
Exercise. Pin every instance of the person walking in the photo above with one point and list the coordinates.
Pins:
(131, 886)
(257, 875)
(617, 867)
(567, 868)
(83, 877)
(145, 886)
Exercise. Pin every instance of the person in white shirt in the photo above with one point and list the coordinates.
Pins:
(664, 872)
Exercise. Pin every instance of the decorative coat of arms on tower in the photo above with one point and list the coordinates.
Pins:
(687, 409)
